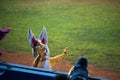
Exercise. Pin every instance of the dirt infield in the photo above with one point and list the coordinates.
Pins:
(25, 59)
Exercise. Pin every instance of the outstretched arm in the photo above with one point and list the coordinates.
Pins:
(56, 59)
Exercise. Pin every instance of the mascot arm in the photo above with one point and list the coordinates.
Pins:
(56, 59)
(36, 61)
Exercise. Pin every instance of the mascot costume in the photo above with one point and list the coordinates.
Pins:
(40, 51)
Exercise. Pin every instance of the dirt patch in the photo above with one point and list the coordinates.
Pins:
(64, 66)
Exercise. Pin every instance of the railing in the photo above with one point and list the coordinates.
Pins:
(9, 71)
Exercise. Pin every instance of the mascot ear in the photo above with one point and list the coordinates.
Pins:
(43, 36)
(31, 39)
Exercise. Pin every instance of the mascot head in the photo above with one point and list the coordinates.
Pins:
(39, 45)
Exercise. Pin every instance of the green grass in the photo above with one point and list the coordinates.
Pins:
(90, 29)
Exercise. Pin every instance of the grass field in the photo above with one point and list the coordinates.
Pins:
(90, 29)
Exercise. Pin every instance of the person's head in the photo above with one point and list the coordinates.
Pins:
(83, 62)
(61, 77)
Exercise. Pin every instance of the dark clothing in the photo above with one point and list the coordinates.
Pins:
(80, 71)
(3, 33)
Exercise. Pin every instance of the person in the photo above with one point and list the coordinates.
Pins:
(3, 33)
(77, 72)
